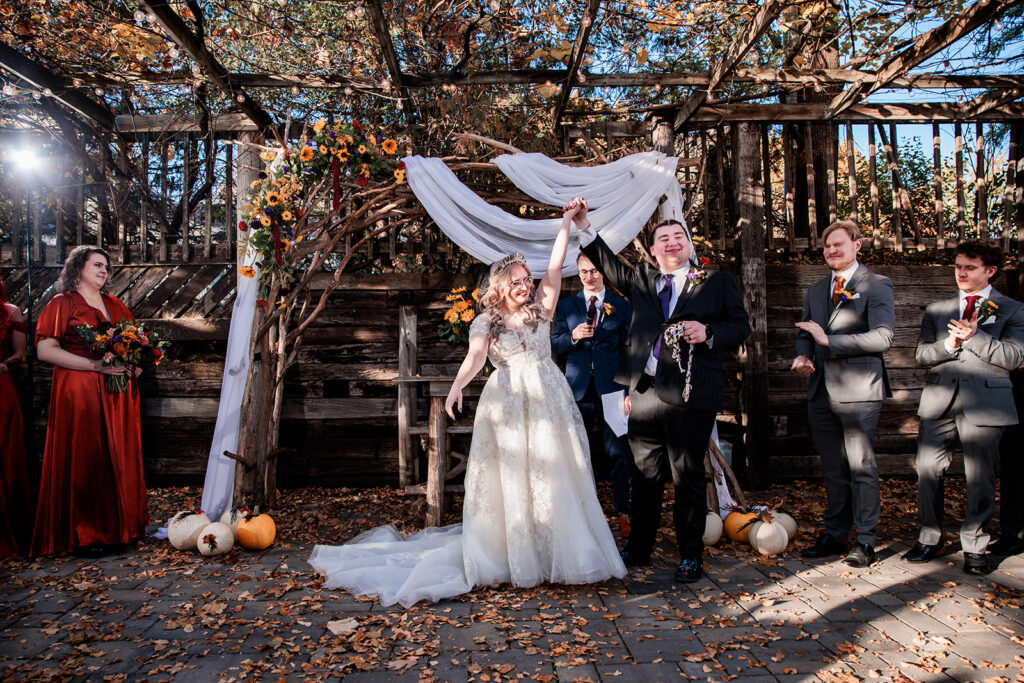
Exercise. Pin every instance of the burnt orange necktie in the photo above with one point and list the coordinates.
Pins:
(837, 289)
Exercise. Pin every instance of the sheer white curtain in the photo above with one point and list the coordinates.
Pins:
(622, 196)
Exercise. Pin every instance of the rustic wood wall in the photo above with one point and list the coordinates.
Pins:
(340, 420)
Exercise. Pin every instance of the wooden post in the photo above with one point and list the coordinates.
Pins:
(754, 387)
(851, 171)
(1017, 129)
(830, 176)
(940, 228)
(121, 203)
(163, 247)
(899, 190)
(144, 208)
(789, 184)
(1011, 167)
(19, 229)
(407, 354)
(208, 214)
(707, 184)
(894, 180)
(59, 213)
(812, 209)
(437, 461)
(186, 218)
(80, 210)
(230, 222)
(766, 174)
(35, 208)
(980, 187)
(663, 136)
(720, 163)
(961, 213)
(873, 173)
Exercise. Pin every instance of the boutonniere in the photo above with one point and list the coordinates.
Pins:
(988, 309)
(845, 295)
(698, 276)
(607, 308)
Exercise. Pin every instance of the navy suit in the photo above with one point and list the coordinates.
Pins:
(590, 369)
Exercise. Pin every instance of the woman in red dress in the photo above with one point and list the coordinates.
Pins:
(15, 495)
(92, 495)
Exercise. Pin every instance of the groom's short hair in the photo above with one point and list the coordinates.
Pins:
(654, 230)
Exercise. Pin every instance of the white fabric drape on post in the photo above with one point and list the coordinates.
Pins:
(622, 196)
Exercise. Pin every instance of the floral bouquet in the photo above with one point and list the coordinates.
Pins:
(459, 316)
(123, 344)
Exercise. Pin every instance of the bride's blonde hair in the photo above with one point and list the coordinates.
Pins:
(492, 301)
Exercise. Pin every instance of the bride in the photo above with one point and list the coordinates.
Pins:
(531, 513)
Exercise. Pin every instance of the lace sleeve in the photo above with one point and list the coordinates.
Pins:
(480, 325)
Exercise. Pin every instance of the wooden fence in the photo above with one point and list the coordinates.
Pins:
(341, 415)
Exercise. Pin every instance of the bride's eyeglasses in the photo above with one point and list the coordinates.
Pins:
(516, 284)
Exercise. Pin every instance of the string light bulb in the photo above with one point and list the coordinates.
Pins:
(360, 10)
(9, 90)
(239, 98)
(140, 16)
(173, 53)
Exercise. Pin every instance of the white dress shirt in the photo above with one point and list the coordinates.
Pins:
(586, 306)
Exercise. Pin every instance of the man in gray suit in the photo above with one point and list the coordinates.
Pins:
(970, 342)
(846, 326)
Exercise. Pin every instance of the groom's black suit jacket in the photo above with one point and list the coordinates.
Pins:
(714, 302)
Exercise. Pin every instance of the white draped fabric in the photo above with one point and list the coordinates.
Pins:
(622, 196)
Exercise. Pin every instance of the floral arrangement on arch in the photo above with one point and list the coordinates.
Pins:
(345, 155)
(459, 316)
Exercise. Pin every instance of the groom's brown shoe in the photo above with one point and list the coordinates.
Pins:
(625, 526)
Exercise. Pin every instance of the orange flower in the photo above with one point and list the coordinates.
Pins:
(389, 146)
(286, 215)
(323, 149)
(247, 271)
(306, 154)
(400, 176)
(468, 315)
(265, 220)
(319, 125)
(273, 198)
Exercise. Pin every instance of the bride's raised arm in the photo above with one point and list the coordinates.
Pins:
(551, 284)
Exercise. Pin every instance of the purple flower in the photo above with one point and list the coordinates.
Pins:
(311, 143)
(309, 169)
(332, 135)
(254, 224)
(380, 139)
(269, 211)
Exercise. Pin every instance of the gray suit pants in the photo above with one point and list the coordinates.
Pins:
(844, 434)
(934, 453)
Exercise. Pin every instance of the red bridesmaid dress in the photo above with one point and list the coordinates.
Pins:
(15, 492)
(92, 490)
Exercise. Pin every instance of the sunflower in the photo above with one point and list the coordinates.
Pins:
(319, 125)
(389, 146)
(306, 154)
(400, 176)
(323, 149)
(451, 316)
(467, 315)
(273, 198)
(247, 271)
(254, 184)
(362, 149)
(265, 220)
(364, 170)
(286, 215)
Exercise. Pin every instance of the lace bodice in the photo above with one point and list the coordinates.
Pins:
(515, 346)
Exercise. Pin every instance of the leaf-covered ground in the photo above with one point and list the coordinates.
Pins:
(157, 614)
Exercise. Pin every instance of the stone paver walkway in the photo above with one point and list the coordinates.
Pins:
(156, 614)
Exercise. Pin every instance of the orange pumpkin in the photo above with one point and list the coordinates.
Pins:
(738, 523)
(256, 531)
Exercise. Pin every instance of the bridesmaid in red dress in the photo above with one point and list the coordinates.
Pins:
(15, 494)
(92, 495)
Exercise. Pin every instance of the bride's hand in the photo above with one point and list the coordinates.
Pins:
(577, 210)
(454, 397)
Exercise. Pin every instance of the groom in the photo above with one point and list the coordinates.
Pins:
(669, 433)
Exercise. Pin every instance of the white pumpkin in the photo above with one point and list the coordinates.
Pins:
(215, 539)
(232, 517)
(712, 528)
(768, 537)
(183, 529)
(787, 522)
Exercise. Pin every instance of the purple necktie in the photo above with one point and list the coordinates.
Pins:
(666, 299)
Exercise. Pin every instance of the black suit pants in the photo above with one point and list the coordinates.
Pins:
(668, 441)
(1011, 468)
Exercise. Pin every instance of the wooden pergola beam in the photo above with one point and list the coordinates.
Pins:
(926, 45)
(610, 80)
(740, 45)
(40, 77)
(579, 49)
(990, 100)
(195, 48)
(380, 28)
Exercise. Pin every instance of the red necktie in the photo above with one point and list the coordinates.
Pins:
(837, 289)
(972, 302)
(592, 311)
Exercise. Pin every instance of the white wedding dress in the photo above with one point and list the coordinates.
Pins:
(531, 513)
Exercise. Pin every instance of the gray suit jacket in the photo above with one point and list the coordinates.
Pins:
(859, 331)
(981, 369)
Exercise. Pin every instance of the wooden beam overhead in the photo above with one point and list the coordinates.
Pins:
(579, 49)
(42, 78)
(926, 45)
(740, 45)
(989, 100)
(380, 27)
(195, 48)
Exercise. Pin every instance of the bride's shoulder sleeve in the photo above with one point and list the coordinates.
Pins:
(480, 325)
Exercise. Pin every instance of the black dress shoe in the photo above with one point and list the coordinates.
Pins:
(1006, 546)
(922, 553)
(825, 545)
(860, 555)
(690, 571)
(976, 564)
(92, 552)
(632, 559)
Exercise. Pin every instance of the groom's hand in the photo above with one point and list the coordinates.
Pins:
(582, 331)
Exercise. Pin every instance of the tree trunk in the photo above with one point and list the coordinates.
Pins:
(754, 354)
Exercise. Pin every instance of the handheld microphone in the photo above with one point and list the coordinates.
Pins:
(591, 316)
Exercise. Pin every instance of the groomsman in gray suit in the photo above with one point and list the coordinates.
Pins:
(846, 326)
(970, 342)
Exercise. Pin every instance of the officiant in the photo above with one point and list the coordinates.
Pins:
(591, 327)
